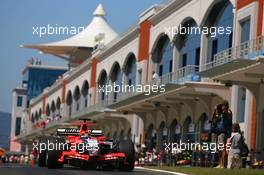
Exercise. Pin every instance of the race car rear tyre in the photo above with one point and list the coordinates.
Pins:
(42, 159)
(52, 160)
(127, 147)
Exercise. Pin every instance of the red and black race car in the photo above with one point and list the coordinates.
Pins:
(86, 148)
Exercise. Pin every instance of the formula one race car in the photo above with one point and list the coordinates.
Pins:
(86, 148)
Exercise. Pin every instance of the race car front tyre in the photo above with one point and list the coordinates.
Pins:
(127, 147)
(52, 160)
(42, 159)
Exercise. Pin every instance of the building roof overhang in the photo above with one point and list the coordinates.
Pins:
(80, 46)
(244, 73)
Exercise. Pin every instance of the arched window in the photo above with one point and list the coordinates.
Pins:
(58, 105)
(116, 80)
(188, 44)
(32, 118)
(163, 55)
(173, 130)
(53, 109)
(77, 96)
(40, 113)
(85, 92)
(36, 117)
(221, 15)
(69, 102)
(188, 130)
(48, 110)
(130, 69)
(102, 82)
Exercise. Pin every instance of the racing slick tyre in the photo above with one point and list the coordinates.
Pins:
(127, 147)
(52, 160)
(42, 159)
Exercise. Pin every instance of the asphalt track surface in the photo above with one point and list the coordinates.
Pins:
(29, 170)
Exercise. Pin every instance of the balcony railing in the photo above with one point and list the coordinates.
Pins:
(247, 50)
(188, 73)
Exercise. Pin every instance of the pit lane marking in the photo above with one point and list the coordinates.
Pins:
(161, 171)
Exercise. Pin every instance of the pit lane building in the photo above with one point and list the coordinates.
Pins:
(198, 71)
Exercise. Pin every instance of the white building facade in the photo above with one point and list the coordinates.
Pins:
(198, 72)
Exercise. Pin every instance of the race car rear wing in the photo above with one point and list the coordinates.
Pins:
(76, 132)
(68, 132)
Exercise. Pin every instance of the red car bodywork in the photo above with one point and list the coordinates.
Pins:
(74, 154)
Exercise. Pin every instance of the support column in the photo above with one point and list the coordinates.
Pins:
(260, 123)
(204, 52)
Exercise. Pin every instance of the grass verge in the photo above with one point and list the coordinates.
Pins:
(209, 171)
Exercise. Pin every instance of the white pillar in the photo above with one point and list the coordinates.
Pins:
(204, 51)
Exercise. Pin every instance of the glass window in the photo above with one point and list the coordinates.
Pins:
(102, 84)
(117, 79)
(167, 58)
(162, 56)
(245, 30)
(171, 64)
(197, 56)
(19, 101)
(214, 49)
(132, 71)
(38, 79)
(160, 70)
(188, 45)
(184, 60)
(220, 42)
(18, 126)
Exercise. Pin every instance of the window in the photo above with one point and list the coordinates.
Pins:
(245, 30)
(19, 101)
(214, 49)
(243, 95)
(160, 70)
(28, 102)
(171, 65)
(184, 60)
(221, 16)
(18, 126)
(130, 82)
(86, 102)
(197, 56)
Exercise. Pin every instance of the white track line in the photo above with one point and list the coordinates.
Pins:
(161, 171)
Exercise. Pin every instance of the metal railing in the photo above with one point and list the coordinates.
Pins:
(178, 77)
(247, 50)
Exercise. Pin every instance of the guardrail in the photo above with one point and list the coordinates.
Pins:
(247, 50)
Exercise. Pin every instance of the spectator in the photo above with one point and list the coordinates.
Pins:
(155, 77)
(234, 159)
(221, 129)
(214, 130)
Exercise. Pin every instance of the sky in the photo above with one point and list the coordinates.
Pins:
(17, 19)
